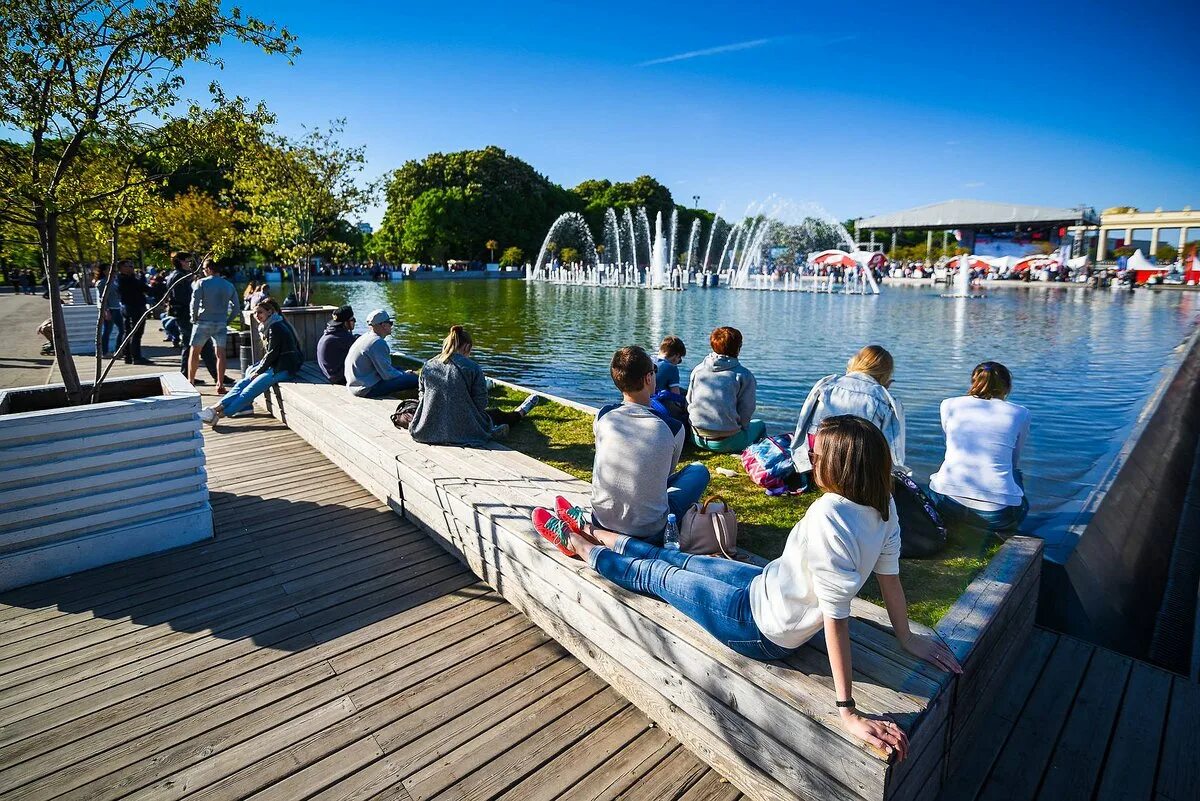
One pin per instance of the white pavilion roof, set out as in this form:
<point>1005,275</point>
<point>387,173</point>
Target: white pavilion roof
<point>956,213</point>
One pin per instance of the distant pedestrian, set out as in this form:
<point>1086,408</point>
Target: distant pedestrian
<point>214,301</point>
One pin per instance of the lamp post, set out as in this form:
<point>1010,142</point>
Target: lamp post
<point>695,201</point>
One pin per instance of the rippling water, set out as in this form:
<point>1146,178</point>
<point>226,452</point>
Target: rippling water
<point>1084,363</point>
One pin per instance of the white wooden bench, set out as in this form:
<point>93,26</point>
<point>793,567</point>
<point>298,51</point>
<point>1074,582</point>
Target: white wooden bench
<point>771,728</point>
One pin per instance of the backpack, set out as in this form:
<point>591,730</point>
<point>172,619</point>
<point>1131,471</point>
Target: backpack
<point>671,404</point>
<point>768,462</point>
<point>403,416</point>
<point>922,530</point>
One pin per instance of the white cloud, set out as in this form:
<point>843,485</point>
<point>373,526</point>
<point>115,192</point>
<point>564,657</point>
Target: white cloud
<point>974,184</point>
<point>710,51</point>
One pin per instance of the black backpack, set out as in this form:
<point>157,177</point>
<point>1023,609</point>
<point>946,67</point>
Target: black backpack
<point>922,530</point>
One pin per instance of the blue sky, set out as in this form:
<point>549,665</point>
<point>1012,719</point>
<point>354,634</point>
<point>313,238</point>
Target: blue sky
<point>861,108</point>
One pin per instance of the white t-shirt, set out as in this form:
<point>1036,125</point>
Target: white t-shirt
<point>826,560</point>
<point>983,444</point>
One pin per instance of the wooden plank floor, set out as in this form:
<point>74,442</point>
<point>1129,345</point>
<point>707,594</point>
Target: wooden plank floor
<point>318,647</point>
<point>1080,722</point>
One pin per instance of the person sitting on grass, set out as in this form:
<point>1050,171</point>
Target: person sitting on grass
<point>281,360</point>
<point>369,370</point>
<point>634,481</point>
<point>722,396</point>
<point>452,406</point>
<point>978,483</point>
<point>666,364</point>
<point>335,344</point>
<point>863,392</point>
<point>767,613</point>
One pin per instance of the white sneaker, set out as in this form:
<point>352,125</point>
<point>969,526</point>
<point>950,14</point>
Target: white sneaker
<point>207,414</point>
<point>527,405</point>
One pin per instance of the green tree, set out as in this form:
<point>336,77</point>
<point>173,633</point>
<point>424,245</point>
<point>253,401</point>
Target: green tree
<point>512,257</point>
<point>568,255</point>
<point>76,72</point>
<point>194,221</point>
<point>503,195</point>
<point>1166,254</point>
<point>295,193</point>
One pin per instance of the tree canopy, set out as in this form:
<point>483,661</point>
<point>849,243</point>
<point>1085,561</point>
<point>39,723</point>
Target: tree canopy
<point>452,204</point>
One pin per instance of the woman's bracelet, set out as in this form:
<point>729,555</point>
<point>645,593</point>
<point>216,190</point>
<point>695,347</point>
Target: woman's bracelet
<point>847,704</point>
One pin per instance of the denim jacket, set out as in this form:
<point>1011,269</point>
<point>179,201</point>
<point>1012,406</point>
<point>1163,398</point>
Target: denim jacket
<point>854,393</point>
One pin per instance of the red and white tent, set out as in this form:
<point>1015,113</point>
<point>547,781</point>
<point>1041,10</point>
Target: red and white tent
<point>973,262</point>
<point>830,258</point>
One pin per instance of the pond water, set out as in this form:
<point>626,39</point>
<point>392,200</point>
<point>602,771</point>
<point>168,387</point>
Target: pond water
<point>1083,362</point>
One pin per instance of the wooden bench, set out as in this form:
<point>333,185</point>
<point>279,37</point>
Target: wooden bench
<point>771,728</point>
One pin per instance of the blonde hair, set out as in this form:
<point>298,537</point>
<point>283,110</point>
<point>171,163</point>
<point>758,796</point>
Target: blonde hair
<point>456,340</point>
<point>990,380</point>
<point>875,361</point>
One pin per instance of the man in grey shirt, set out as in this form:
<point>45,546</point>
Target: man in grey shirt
<point>214,301</point>
<point>633,486</point>
<point>369,371</point>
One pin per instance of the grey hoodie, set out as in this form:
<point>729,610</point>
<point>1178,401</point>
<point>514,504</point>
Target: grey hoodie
<point>721,396</point>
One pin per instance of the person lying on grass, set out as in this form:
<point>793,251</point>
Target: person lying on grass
<point>768,612</point>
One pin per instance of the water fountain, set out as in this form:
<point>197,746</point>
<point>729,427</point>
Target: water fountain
<point>766,249</point>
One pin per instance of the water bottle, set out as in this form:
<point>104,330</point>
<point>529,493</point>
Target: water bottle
<point>671,535</point>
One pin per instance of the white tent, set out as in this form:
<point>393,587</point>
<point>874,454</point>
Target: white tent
<point>1139,262</point>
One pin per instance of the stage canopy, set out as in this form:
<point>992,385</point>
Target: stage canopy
<point>973,214</point>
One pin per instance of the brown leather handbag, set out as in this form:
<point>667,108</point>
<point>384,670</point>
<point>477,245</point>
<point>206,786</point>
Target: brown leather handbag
<point>709,529</point>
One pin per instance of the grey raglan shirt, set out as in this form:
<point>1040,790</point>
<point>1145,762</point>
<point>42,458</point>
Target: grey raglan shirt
<point>636,451</point>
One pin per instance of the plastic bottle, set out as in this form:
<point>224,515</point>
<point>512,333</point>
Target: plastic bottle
<point>671,535</point>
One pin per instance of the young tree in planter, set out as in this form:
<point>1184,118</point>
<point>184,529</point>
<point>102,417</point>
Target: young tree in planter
<point>77,71</point>
<point>491,245</point>
<point>295,192</point>
<point>512,257</point>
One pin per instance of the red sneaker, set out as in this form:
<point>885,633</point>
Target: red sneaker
<point>569,513</point>
<point>553,529</point>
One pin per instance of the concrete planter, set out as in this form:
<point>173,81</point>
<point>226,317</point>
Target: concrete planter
<point>85,486</point>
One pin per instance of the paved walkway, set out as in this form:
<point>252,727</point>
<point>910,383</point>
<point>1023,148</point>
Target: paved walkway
<point>318,647</point>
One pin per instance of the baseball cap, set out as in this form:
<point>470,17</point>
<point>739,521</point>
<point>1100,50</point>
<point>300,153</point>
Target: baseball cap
<point>378,316</point>
<point>343,315</point>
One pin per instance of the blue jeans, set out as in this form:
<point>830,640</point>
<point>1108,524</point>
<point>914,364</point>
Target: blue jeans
<point>389,385</point>
<point>1000,521</point>
<point>684,488</point>
<point>737,443</point>
<point>712,591</point>
<point>243,393</point>
<point>116,320</point>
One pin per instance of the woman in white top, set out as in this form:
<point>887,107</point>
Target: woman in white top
<point>978,483</point>
<point>768,612</point>
<point>862,392</point>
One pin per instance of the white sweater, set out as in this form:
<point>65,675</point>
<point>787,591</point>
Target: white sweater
<point>826,560</point>
<point>983,443</point>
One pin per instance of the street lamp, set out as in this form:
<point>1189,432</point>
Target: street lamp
<point>695,201</point>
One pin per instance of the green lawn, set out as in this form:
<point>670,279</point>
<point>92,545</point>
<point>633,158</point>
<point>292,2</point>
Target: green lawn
<point>562,436</point>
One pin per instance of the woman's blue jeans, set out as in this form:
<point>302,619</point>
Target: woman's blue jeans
<point>243,393</point>
<point>712,591</point>
<point>115,321</point>
<point>1001,521</point>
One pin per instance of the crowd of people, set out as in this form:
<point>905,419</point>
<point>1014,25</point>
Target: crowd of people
<point>848,440</point>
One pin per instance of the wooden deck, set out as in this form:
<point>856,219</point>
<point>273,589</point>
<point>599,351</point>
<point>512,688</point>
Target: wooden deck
<point>319,647</point>
<point>1077,721</point>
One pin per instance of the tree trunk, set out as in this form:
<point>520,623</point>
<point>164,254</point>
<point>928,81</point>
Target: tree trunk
<point>47,228</point>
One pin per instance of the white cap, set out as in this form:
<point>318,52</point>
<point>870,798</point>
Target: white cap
<point>378,317</point>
